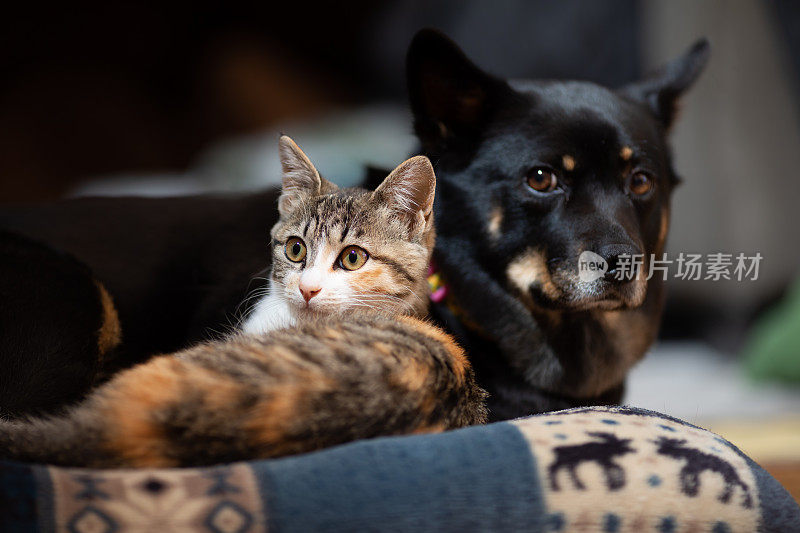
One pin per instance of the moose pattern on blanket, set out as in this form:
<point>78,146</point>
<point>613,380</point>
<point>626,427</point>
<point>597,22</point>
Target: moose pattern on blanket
<point>598,469</point>
<point>621,469</point>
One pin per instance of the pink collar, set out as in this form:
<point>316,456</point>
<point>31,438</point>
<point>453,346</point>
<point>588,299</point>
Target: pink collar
<point>437,285</point>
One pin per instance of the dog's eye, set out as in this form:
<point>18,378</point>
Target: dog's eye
<point>295,249</point>
<point>542,179</point>
<point>640,184</point>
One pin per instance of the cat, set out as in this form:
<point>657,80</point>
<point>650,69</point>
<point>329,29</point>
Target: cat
<point>342,361</point>
<point>338,274</point>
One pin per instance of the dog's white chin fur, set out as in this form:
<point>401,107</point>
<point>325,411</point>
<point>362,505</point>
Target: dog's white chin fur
<point>586,296</point>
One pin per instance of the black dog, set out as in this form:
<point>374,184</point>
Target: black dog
<point>530,175</point>
<point>57,326</point>
<point>602,453</point>
<point>698,462</point>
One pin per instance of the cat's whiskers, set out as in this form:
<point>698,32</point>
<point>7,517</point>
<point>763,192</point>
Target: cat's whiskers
<point>257,297</point>
<point>380,302</point>
<point>244,307</point>
<point>392,298</point>
<point>375,304</point>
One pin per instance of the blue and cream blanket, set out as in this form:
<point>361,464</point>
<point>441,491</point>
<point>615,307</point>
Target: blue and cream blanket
<point>592,469</point>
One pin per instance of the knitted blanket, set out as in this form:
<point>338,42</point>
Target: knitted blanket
<point>590,469</point>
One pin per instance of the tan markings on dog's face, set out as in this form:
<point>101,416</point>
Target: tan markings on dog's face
<point>495,221</point>
<point>568,162</point>
<point>663,229</point>
<point>528,269</point>
<point>626,153</point>
<point>639,285</point>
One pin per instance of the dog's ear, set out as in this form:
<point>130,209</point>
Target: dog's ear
<point>301,181</point>
<point>450,96</point>
<point>662,90</point>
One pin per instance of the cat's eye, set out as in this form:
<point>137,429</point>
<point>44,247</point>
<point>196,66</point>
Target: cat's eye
<point>542,179</point>
<point>295,249</point>
<point>353,258</point>
<point>640,183</point>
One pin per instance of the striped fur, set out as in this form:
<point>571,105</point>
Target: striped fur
<point>393,225</point>
<point>295,390</point>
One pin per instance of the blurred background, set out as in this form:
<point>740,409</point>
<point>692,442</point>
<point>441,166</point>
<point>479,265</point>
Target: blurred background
<point>126,98</point>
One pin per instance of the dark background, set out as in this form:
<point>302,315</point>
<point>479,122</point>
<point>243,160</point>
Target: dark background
<point>129,87</point>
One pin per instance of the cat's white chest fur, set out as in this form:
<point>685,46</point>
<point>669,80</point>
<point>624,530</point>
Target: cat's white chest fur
<point>270,313</point>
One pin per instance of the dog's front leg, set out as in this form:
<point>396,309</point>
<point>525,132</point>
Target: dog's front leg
<point>499,315</point>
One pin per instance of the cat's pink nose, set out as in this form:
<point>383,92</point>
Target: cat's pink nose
<point>309,291</point>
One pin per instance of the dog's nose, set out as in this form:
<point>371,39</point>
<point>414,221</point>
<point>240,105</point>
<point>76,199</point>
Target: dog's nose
<point>623,260</point>
<point>309,291</point>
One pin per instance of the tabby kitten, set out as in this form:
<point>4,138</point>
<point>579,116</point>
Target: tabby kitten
<point>355,364</point>
<point>339,250</point>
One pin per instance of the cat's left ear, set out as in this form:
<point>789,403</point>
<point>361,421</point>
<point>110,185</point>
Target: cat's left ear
<point>301,180</point>
<point>662,90</point>
<point>409,190</point>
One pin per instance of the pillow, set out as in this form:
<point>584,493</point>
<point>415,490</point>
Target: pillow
<point>589,469</point>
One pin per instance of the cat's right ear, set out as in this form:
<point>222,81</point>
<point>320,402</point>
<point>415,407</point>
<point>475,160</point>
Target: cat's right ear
<point>301,181</point>
<point>450,97</point>
<point>409,191</point>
